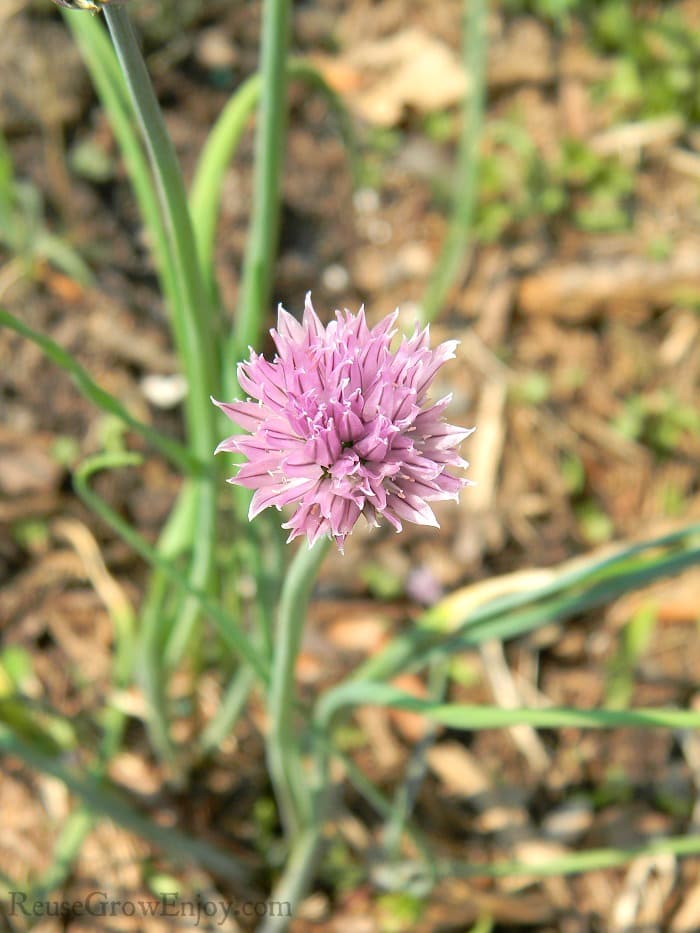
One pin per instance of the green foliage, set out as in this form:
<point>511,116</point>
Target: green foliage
<point>517,185</point>
<point>399,911</point>
<point>439,125</point>
<point>340,868</point>
<point>656,53</point>
<point>380,145</point>
<point>465,671</point>
<point>514,184</point>
<point>16,670</point>
<point>660,248</point>
<point>659,420</point>
<point>604,182</point>
<point>265,822</point>
<point>23,229</point>
<point>31,534</point>
<point>381,582</point>
<point>656,61</point>
<point>92,162</point>
<point>531,388</point>
<point>65,450</point>
<point>555,11</point>
<point>673,501</point>
<point>615,788</point>
<point>595,525</point>
<point>668,800</point>
<point>573,473</point>
<point>158,882</point>
<point>633,645</point>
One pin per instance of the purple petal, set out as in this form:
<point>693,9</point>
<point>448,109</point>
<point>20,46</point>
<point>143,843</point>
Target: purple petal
<point>248,415</point>
<point>340,427</point>
<point>279,496</point>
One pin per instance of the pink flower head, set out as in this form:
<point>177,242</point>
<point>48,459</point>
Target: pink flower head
<point>339,426</point>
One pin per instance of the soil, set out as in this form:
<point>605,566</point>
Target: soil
<point>579,363</point>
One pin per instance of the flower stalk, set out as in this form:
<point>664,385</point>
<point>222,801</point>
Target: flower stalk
<point>284,754</point>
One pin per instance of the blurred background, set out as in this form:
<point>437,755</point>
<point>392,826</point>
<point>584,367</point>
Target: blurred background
<point>578,309</point>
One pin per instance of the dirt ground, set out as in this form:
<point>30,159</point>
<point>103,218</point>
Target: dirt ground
<point>579,362</point>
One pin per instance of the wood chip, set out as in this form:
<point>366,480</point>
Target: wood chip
<point>579,291</point>
<point>687,917</point>
<point>523,55</point>
<point>409,68</point>
<point>27,469</point>
<point>634,136</point>
<point>458,770</point>
<point>648,883</point>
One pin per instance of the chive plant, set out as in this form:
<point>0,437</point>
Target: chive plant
<point>338,426</point>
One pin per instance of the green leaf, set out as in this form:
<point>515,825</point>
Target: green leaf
<point>470,718</point>
<point>175,452</point>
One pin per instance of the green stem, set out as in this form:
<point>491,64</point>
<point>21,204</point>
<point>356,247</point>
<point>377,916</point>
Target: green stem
<point>457,239</point>
<point>417,767</point>
<point>232,704</point>
<point>573,863</point>
<point>261,248</point>
<point>295,880</point>
<point>264,552</point>
<point>151,670</point>
<point>197,351</point>
<point>66,850</point>
<point>471,718</point>
<point>376,799</point>
<point>114,93</point>
<point>104,70</point>
<point>223,140</point>
<point>114,719</point>
<point>283,748</point>
<point>234,636</point>
<point>173,199</point>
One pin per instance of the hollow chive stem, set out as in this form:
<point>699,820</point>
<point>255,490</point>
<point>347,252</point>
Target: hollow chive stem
<point>451,258</point>
<point>199,352</point>
<point>261,247</point>
<point>283,745</point>
<point>194,326</point>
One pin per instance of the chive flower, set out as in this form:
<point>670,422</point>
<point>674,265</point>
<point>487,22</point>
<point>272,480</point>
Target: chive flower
<point>340,426</point>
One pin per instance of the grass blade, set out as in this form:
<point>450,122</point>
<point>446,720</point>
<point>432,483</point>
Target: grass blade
<point>575,863</point>
<point>456,242</point>
<point>221,145</point>
<point>457,623</point>
<point>175,452</point>
<point>261,246</point>
<point>229,629</point>
<point>458,716</point>
<point>101,62</point>
<point>106,801</point>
